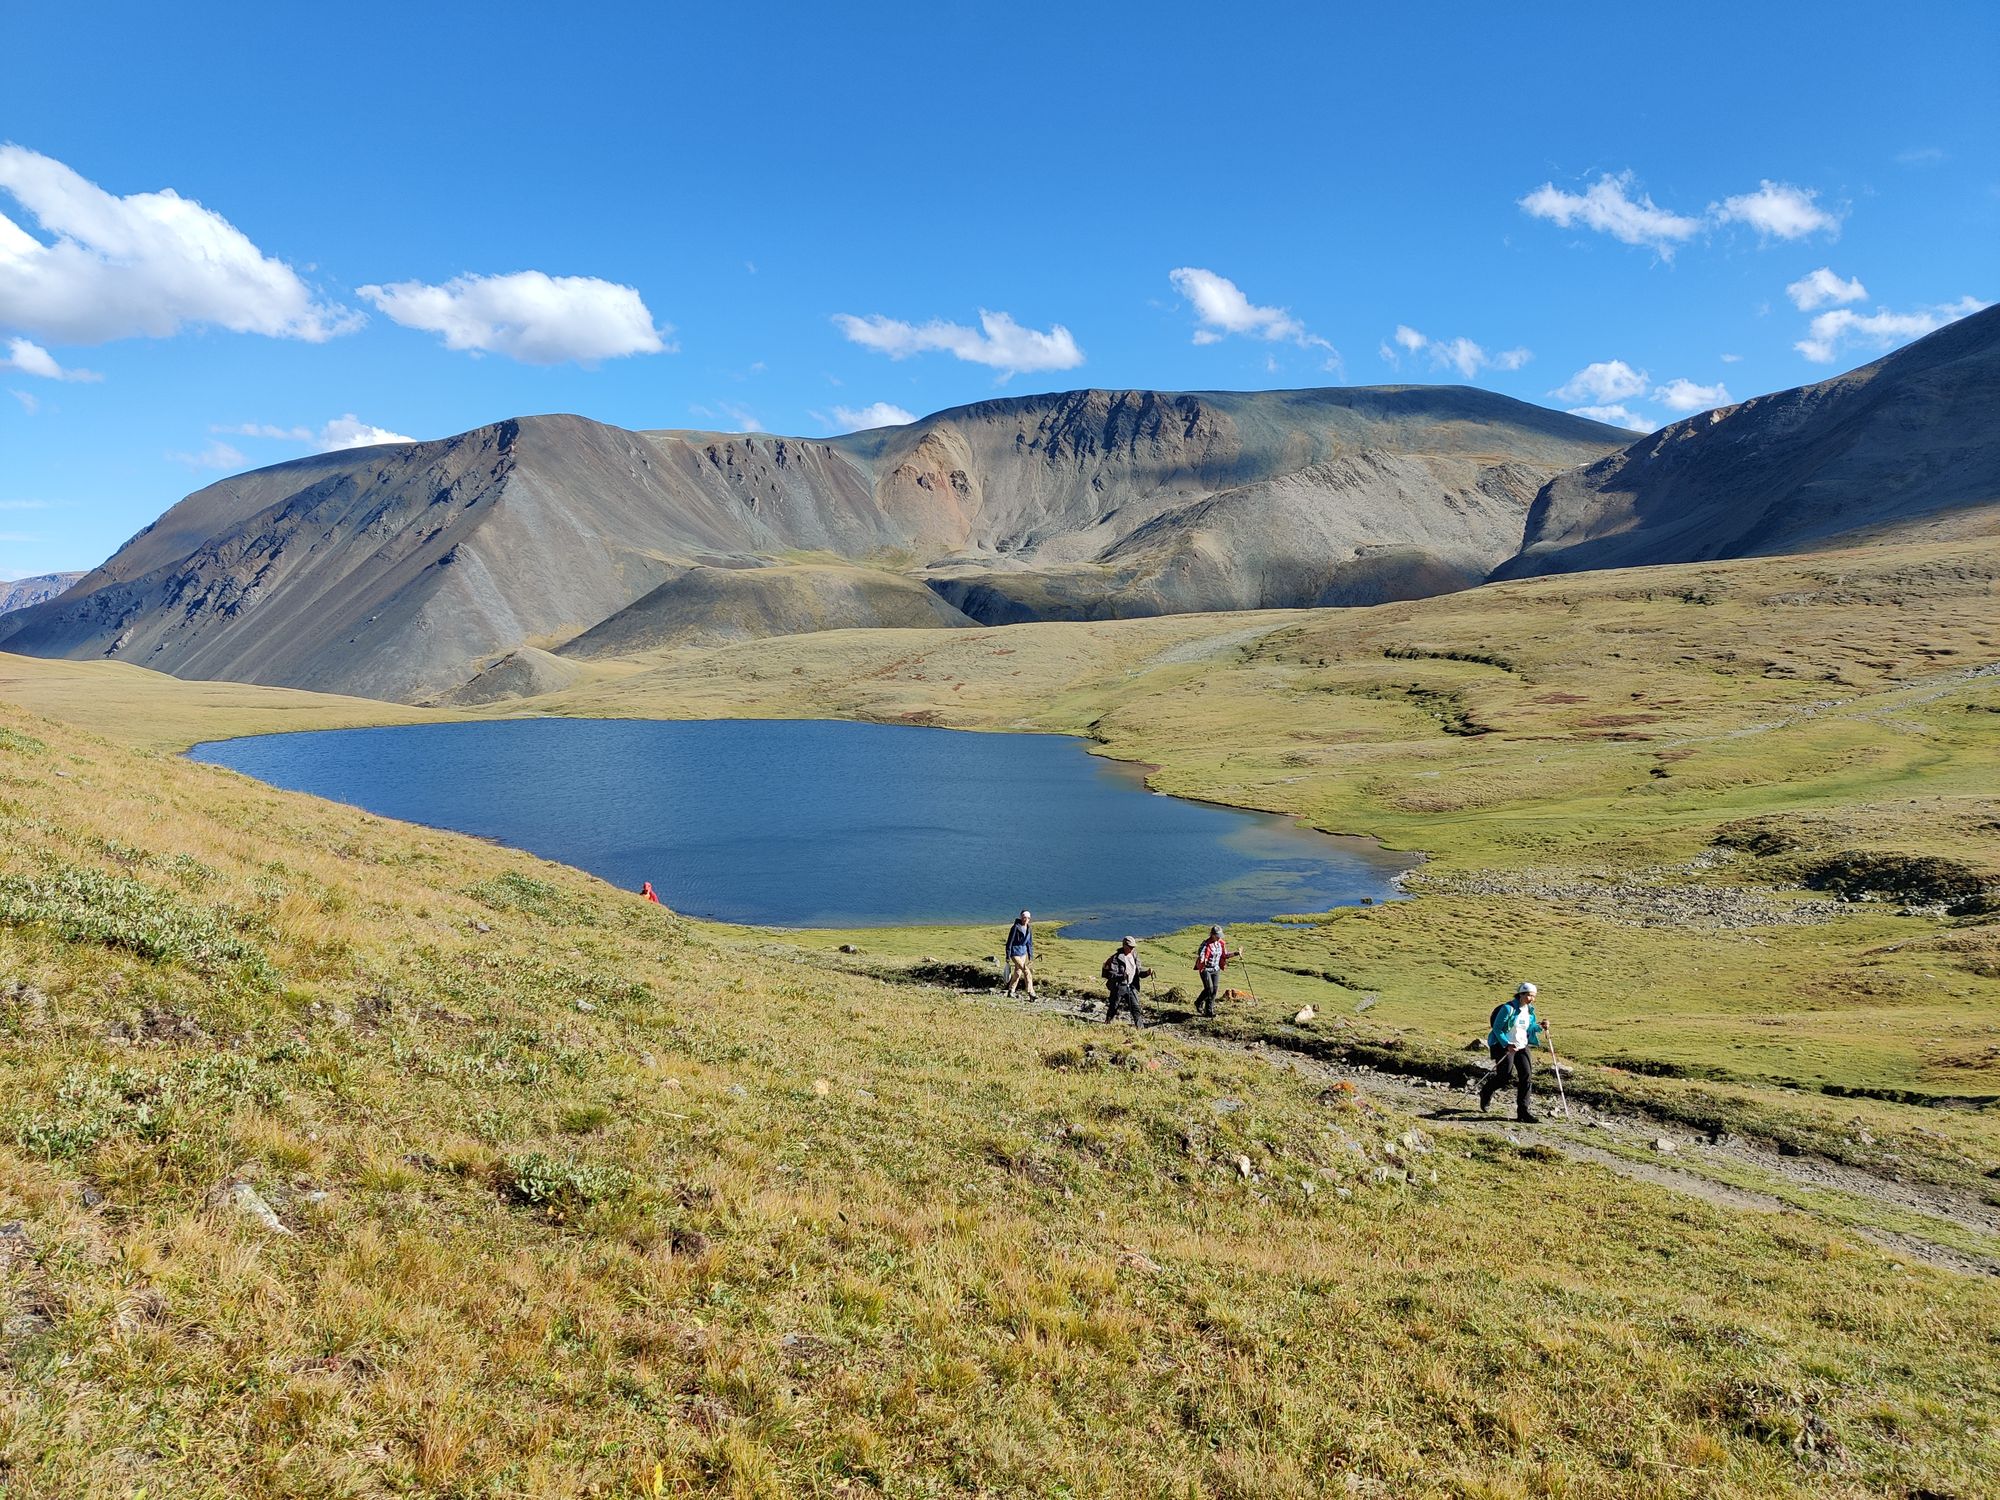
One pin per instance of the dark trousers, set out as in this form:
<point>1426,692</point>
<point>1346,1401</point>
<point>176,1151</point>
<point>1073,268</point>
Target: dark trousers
<point>1211,984</point>
<point>1521,1066</point>
<point>1123,994</point>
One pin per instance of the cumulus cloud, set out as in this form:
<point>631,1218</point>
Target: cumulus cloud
<point>217,455</point>
<point>1685,396</point>
<point>1777,210</point>
<point>1831,332</point>
<point>1460,354</point>
<point>1220,309</point>
<point>342,432</point>
<point>1821,287</point>
<point>876,414</point>
<point>1616,414</point>
<point>32,359</point>
<point>1602,383</point>
<point>530,316</point>
<point>999,341</point>
<point>1609,207</point>
<point>145,265</point>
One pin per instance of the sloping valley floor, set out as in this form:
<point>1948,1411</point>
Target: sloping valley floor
<point>340,1157</point>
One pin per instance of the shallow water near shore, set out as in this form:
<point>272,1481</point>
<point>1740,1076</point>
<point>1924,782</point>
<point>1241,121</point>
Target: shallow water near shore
<point>826,823</point>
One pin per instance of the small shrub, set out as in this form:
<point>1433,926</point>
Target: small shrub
<point>514,892</point>
<point>559,1186</point>
<point>117,911</point>
<point>26,744</point>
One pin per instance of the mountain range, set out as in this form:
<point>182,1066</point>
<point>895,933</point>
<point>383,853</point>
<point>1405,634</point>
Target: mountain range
<point>19,593</point>
<point>485,564</point>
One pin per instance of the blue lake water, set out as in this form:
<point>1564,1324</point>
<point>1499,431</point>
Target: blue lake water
<point>818,823</point>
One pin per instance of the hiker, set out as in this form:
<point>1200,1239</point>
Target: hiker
<point>1122,973</point>
<point>1021,954</point>
<point>1515,1028</point>
<point>1209,963</point>
<point>646,890</point>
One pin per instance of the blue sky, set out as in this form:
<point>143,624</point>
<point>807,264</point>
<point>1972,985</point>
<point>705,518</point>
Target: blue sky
<point>415,219</point>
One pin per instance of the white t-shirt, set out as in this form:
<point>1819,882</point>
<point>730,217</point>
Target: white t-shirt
<point>1518,1037</point>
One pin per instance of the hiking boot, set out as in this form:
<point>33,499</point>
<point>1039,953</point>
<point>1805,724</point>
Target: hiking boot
<point>1528,1119</point>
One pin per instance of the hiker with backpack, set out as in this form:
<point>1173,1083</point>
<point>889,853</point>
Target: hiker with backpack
<point>1020,953</point>
<point>1209,963</point>
<point>1122,973</point>
<point>1514,1028</point>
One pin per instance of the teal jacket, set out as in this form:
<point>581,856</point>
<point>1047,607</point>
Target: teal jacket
<point>1503,1026</point>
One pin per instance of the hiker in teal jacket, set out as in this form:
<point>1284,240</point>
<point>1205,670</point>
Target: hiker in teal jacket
<point>1515,1029</point>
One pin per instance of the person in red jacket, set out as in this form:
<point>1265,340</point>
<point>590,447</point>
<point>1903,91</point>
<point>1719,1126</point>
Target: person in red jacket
<point>1209,963</point>
<point>646,890</point>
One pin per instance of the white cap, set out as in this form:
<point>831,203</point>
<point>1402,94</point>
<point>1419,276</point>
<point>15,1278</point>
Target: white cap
<point>1130,943</point>
<point>1525,988</point>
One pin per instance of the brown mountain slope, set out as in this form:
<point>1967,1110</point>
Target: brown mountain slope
<point>395,572</point>
<point>1902,443</point>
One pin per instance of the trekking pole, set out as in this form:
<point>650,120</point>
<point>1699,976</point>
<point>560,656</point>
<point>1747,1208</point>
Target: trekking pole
<point>1556,1067</point>
<point>1248,987</point>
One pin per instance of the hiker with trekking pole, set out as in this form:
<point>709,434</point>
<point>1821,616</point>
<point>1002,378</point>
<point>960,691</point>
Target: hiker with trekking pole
<point>1209,963</point>
<point>1514,1029</point>
<point>1122,973</point>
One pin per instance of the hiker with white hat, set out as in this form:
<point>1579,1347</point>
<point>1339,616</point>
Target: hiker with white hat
<point>1122,973</point>
<point>1021,955</point>
<point>1514,1030</point>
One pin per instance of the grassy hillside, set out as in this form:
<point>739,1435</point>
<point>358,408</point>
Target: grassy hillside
<point>568,1196</point>
<point>1625,783</point>
<point>570,1192</point>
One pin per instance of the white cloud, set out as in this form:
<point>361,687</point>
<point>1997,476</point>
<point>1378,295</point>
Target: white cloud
<point>1602,383</point>
<point>32,359</point>
<point>217,455</point>
<point>999,341</point>
<point>1831,332</point>
<point>1777,210</point>
<point>1460,354</point>
<point>1732,359</point>
<point>1609,207</point>
<point>1685,396</point>
<point>29,403</point>
<point>1920,156</point>
<point>342,432</point>
<point>530,316</point>
<point>876,414</point>
<point>145,265</point>
<point>1220,308</point>
<point>1818,288</point>
<point>348,432</point>
<point>1616,415</point>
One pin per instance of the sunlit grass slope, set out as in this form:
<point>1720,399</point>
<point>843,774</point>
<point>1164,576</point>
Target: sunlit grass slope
<point>568,1196</point>
<point>1621,780</point>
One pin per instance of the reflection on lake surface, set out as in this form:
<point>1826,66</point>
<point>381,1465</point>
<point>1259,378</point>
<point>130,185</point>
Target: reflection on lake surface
<point>819,823</point>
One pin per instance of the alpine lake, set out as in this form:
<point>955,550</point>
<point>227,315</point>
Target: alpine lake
<point>823,823</point>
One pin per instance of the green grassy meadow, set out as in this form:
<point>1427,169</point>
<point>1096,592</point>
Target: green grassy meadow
<point>569,1195</point>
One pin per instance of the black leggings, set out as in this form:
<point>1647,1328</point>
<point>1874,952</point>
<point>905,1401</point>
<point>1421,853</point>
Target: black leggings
<point>1521,1065</point>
